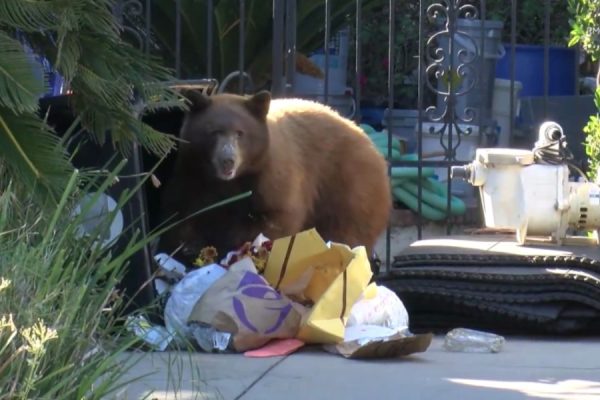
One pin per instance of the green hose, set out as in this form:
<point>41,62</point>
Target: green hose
<point>404,181</point>
<point>396,155</point>
<point>433,199</point>
<point>384,146</point>
<point>368,129</point>
<point>410,157</point>
<point>382,138</point>
<point>411,202</point>
<point>411,172</point>
<point>436,186</point>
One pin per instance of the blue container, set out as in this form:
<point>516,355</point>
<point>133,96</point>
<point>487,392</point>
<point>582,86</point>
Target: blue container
<point>372,116</point>
<point>529,69</point>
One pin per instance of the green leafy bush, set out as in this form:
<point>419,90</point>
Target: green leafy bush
<point>60,334</point>
<point>61,331</point>
<point>585,31</point>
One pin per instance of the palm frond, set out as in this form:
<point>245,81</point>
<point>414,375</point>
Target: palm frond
<point>98,17</point>
<point>21,79</point>
<point>32,151</point>
<point>68,54</point>
<point>160,95</point>
<point>106,75</point>
<point>150,138</point>
<point>108,79</point>
<point>30,15</point>
<point>106,91</point>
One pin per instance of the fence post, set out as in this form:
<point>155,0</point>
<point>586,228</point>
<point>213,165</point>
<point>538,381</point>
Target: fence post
<point>277,56</point>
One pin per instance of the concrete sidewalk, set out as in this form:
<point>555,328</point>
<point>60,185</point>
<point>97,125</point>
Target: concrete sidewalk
<point>525,369</point>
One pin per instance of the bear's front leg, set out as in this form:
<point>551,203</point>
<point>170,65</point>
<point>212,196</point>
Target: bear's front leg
<point>282,222</point>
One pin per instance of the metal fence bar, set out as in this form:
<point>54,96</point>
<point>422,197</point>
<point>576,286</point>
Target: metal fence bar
<point>326,48</point>
<point>148,27</point>
<point>178,39</point>
<point>482,61</point>
<point>546,55</point>
<point>209,38</point>
<point>358,61</point>
<point>290,44</point>
<point>576,74</point>
<point>277,56</point>
<point>421,85</point>
<point>451,111</point>
<point>391,64</point>
<point>513,40</point>
<point>242,45</point>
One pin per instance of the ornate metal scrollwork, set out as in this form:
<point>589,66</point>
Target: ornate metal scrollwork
<point>451,70</point>
<point>131,16</point>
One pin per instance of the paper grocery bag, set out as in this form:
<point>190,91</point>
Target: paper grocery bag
<point>243,304</point>
<point>332,278</point>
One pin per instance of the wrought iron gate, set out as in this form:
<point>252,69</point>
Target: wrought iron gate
<point>453,62</point>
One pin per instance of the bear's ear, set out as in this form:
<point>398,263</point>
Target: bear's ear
<point>198,100</point>
<point>259,104</point>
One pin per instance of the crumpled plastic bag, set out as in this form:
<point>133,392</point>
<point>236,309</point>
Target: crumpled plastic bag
<point>155,336</point>
<point>184,296</point>
<point>170,271</point>
<point>209,339</point>
<point>379,306</point>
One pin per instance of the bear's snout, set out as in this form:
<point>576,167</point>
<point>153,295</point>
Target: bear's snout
<point>227,164</point>
<point>227,158</point>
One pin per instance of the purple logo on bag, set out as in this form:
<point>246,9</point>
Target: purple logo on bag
<point>254,287</point>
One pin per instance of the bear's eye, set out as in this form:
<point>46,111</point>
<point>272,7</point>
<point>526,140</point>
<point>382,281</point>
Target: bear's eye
<point>239,133</point>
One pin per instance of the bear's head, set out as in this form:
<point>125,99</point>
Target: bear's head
<point>226,135</point>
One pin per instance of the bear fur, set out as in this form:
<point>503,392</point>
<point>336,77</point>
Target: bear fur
<point>307,167</point>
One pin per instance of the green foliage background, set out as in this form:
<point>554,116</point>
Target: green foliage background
<point>585,31</point>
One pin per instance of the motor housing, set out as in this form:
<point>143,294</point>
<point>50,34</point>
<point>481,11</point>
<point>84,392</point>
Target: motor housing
<point>530,190</point>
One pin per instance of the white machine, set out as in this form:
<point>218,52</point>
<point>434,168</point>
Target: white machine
<point>530,191</point>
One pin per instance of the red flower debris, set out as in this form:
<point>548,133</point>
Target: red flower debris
<point>259,255</point>
<point>207,256</point>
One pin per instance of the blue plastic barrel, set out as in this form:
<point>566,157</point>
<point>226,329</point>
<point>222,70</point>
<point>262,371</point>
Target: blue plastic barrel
<point>529,69</point>
<point>372,116</point>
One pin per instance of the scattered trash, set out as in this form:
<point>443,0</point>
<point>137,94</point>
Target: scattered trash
<point>209,339</point>
<point>258,251</point>
<point>155,181</point>
<point>329,280</point>
<point>472,341</point>
<point>269,299</point>
<point>369,341</point>
<point>243,303</point>
<point>170,272</point>
<point>207,255</point>
<point>276,348</point>
<point>155,336</point>
<point>379,306</point>
<point>184,296</point>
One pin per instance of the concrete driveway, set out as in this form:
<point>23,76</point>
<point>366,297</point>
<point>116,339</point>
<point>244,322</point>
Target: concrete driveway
<point>527,368</point>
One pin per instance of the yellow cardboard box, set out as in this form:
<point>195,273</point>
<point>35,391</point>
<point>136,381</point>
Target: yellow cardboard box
<point>332,278</point>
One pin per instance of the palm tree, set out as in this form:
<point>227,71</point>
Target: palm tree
<point>106,75</point>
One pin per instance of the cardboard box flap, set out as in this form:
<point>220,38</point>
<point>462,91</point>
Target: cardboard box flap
<point>327,318</point>
<point>303,267</point>
<point>370,342</point>
<point>282,266</point>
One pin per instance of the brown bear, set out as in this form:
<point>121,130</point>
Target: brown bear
<point>307,167</point>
